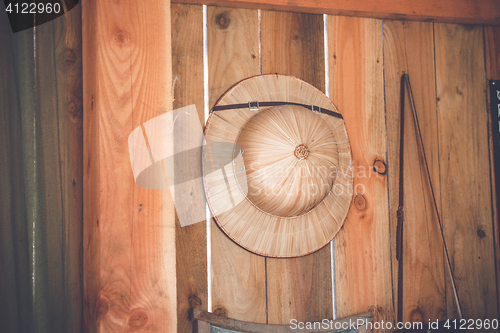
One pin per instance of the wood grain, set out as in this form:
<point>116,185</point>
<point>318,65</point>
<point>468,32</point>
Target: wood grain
<point>298,288</point>
<point>362,248</point>
<point>492,52</point>
<point>91,174</point>
<point>127,79</point>
<point>293,43</point>
<point>58,67</point>
<point>238,276</point>
<point>233,48</point>
<point>452,11</point>
<point>464,160</point>
<point>409,47</point>
<point>187,85</point>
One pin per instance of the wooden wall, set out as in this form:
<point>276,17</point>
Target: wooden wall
<point>60,167</point>
<point>366,58</point>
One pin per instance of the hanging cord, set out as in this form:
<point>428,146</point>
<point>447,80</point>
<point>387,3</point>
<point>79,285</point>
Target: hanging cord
<point>405,80</point>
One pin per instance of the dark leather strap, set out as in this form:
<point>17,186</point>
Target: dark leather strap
<point>400,211</point>
<point>254,105</point>
<point>405,85</point>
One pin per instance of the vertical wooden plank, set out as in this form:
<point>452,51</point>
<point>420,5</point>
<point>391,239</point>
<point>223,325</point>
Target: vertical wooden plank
<point>58,71</point>
<point>69,55</point>
<point>191,241</point>
<point>409,47</point>
<point>238,276</point>
<point>492,51</point>
<point>464,168</point>
<point>297,288</point>
<point>362,247</point>
<point>293,43</point>
<point>233,48</point>
<point>492,48</point>
<point>93,306</point>
<point>127,61</point>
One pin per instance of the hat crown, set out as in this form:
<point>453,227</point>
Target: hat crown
<point>290,157</point>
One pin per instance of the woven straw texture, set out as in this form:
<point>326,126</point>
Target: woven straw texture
<point>297,168</point>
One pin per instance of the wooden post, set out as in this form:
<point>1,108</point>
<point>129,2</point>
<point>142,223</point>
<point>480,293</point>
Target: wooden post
<point>129,232</point>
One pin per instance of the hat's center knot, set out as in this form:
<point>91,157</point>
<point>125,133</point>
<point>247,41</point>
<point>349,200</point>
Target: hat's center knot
<point>301,152</point>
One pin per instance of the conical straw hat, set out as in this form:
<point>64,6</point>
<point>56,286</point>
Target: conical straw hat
<point>297,163</point>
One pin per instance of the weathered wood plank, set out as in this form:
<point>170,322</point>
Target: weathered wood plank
<point>492,52</point>
<point>293,44</point>
<point>492,39</point>
<point>129,231</point>
<point>409,47</point>
<point>451,11</point>
<point>464,168</point>
<point>297,288</point>
<point>233,48</point>
<point>362,247</point>
<point>58,71</point>
<point>191,241</point>
<point>91,174</point>
<point>238,276</point>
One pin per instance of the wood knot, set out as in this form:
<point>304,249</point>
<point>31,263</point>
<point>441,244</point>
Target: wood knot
<point>481,233</point>
<point>416,316</point>
<point>360,202</point>
<point>220,311</point>
<point>75,110</point>
<point>71,56</point>
<point>102,306</point>
<point>380,167</point>
<point>194,301</point>
<point>122,38</point>
<point>222,20</point>
<point>138,318</point>
<point>301,152</point>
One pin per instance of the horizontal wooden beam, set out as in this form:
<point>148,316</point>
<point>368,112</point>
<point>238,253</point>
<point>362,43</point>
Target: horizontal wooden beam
<point>486,12</point>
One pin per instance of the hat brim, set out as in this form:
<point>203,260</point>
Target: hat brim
<point>246,224</point>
